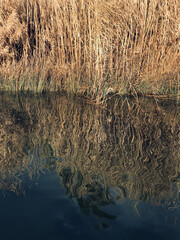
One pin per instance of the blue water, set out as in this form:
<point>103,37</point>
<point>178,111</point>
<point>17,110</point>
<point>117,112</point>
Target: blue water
<point>44,211</point>
<point>69,170</point>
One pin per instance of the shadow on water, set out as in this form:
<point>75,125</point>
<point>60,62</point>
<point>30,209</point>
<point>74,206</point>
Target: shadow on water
<point>129,149</point>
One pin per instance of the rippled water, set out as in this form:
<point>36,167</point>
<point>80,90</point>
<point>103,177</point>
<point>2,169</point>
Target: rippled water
<point>73,170</point>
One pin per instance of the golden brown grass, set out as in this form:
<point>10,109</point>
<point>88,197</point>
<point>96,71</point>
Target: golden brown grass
<point>90,46</point>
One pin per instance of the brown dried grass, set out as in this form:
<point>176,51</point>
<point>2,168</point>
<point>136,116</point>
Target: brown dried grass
<point>90,47</point>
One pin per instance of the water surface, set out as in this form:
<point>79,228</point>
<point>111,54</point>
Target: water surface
<point>71,170</point>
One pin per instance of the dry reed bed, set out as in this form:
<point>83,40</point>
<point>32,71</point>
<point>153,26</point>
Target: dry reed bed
<point>90,46</point>
<point>131,151</point>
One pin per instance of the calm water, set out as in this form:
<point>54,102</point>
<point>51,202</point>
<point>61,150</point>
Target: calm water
<point>71,170</point>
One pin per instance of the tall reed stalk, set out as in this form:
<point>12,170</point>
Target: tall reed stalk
<point>90,46</point>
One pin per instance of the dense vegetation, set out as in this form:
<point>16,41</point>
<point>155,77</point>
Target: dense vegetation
<point>90,47</point>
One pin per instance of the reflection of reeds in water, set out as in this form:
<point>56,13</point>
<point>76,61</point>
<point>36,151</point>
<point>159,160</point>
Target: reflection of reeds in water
<point>130,150</point>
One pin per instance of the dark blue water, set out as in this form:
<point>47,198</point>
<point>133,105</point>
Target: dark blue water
<point>61,177</point>
<point>45,212</point>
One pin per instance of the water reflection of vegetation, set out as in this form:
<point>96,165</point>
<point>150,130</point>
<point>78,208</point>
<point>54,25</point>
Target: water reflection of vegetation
<point>130,150</point>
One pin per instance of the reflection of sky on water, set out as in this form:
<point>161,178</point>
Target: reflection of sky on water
<point>45,212</point>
